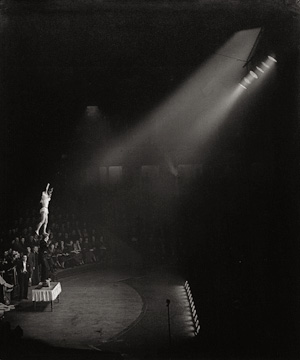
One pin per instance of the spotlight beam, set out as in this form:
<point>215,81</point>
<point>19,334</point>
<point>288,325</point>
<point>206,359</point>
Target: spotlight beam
<point>197,102</point>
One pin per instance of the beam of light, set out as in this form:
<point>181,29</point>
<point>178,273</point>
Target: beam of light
<point>181,291</point>
<point>191,328</point>
<point>208,123</point>
<point>182,294</point>
<point>198,104</point>
<point>188,321</point>
<point>191,334</point>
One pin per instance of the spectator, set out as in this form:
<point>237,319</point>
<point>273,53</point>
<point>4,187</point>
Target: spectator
<point>57,254</point>
<point>4,283</point>
<point>31,241</point>
<point>51,238</point>
<point>52,251</point>
<point>95,248</point>
<point>5,289</point>
<point>61,254</point>
<point>102,249</point>
<point>85,233</point>
<point>16,245</point>
<point>36,241</point>
<point>9,263</point>
<point>69,245</point>
<point>30,231</point>
<point>74,235</point>
<point>31,261</point>
<point>23,269</point>
<point>77,251</point>
<point>88,254</point>
<point>73,259</point>
<point>23,246</point>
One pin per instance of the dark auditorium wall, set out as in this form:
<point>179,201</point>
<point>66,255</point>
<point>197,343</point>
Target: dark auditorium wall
<point>243,231</point>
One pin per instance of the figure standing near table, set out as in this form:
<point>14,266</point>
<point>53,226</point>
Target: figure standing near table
<point>36,269</point>
<point>43,260</point>
<point>45,199</point>
<point>31,261</point>
<point>24,270</point>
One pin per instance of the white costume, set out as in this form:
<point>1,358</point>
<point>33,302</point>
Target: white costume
<point>45,199</point>
<point>45,202</point>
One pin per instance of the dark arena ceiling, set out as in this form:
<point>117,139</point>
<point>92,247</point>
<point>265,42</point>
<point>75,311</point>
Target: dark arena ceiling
<point>123,56</point>
<point>58,57</point>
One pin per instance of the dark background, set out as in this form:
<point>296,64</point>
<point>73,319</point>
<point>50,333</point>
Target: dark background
<point>238,222</point>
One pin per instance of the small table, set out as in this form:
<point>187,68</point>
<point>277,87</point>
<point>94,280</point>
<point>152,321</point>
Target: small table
<point>46,293</point>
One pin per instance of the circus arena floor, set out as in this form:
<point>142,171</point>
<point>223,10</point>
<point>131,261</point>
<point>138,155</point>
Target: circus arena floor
<point>108,313</point>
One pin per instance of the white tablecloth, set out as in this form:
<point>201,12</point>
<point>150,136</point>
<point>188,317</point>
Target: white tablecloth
<point>47,293</point>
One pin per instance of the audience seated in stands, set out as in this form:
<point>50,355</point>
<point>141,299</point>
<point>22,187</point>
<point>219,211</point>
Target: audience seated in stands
<point>88,252</point>
<point>5,289</point>
<point>72,242</point>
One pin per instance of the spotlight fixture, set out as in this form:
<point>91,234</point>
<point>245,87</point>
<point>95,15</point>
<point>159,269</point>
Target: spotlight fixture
<point>271,58</point>
<point>265,65</point>
<point>260,69</point>
<point>252,73</point>
<point>196,322</point>
<point>243,86</point>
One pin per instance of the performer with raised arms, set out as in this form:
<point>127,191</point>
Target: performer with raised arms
<point>46,197</point>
